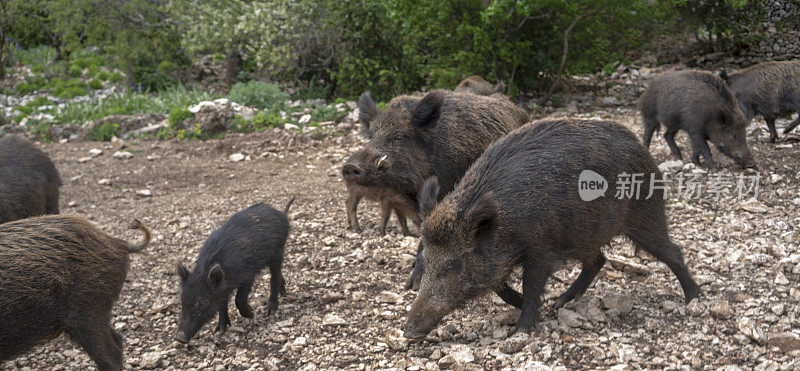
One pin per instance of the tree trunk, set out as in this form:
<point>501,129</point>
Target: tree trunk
<point>233,67</point>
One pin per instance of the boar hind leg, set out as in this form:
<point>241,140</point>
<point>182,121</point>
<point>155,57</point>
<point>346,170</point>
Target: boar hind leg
<point>276,286</point>
<point>650,126</point>
<point>700,148</point>
<point>655,241</point>
<point>509,295</point>
<point>589,271</point>
<point>669,137</point>
<point>791,126</point>
<point>386,213</point>
<point>401,218</point>
<point>534,277</point>
<point>773,134</point>
<point>98,340</point>
<point>419,268</point>
<point>241,301</point>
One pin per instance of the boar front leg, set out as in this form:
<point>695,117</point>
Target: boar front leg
<point>534,277</point>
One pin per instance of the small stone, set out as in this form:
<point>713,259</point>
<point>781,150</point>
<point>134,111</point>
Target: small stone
<point>333,320</point>
<point>151,360</point>
<point>696,308</point>
<point>507,318</point>
<point>236,157</point>
<point>447,362</point>
<point>104,181</point>
<point>786,341</point>
<point>72,203</point>
<point>305,119</point>
<point>720,308</point>
<point>122,155</point>
<point>620,302</point>
<point>569,318</point>
<point>515,343</point>
<point>144,193</point>
<point>389,297</point>
<point>778,308</point>
<point>780,279</point>
<point>94,152</point>
<point>84,159</point>
<point>749,328</point>
<point>290,126</point>
<point>499,333</point>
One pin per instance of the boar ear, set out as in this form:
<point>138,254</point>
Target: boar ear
<point>499,88</point>
<point>183,272</point>
<point>215,275</point>
<point>482,217</point>
<point>427,111</point>
<point>367,110</point>
<point>428,195</point>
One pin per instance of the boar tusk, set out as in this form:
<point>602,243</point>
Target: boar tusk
<point>380,160</point>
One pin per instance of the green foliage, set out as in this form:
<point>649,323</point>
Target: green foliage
<point>258,94</point>
<point>325,113</point>
<point>103,76</point>
<point>722,24</point>
<point>132,103</point>
<point>68,89</point>
<point>261,121</point>
<point>103,132</point>
<point>115,77</point>
<point>96,84</point>
<point>38,56</point>
<point>179,114</point>
<point>75,70</point>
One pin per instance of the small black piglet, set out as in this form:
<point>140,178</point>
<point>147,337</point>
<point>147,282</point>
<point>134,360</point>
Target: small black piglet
<point>230,259</point>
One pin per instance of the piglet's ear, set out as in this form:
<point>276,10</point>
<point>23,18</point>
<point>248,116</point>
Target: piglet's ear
<point>367,110</point>
<point>182,272</point>
<point>428,195</point>
<point>426,113</point>
<point>482,217</point>
<point>215,275</point>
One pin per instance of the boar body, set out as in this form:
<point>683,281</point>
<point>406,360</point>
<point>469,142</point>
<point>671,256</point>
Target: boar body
<point>701,104</point>
<point>230,259</point>
<point>519,205</point>
<point>770,89</point>
<point>29,181</point>
<point>61,274</point>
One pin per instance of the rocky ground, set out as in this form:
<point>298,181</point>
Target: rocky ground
<point>346,305</point>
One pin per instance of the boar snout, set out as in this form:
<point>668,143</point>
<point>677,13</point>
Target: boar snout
<point>421,320</point>
<point>352,173</point>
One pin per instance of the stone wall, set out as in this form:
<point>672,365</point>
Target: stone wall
<point>780,33</point>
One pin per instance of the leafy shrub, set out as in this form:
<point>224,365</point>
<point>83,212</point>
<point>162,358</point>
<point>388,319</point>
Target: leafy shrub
<point>25,88</point>
<point>75,70</point>
<point>179,114</point>
<point>103,76</point>
<point>93,70</point>
<point>103,132</point>
<point>115,77</point>
<point>261,121</point>
<point>258,94</point>
<point>81,62</point>
<point>326,113</point>
<point>96,84</point>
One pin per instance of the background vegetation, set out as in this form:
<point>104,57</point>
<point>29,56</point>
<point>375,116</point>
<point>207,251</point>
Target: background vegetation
<point>340,48</point>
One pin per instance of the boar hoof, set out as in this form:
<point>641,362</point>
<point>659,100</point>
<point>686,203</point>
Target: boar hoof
<point>246,311</point>
<point>272,308</point>
<point>518,329</point>
<point>222,327</point>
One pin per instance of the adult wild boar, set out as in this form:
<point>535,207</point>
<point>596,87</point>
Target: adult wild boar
<point>477,85</point>
<point>770,89</point>
<point>439,134</point>
<point>58,274</point>
<point>701,104</point>
<point>519,205</point>
<point>29,181</point>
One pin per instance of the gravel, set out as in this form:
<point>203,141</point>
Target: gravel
<point>346,308</point>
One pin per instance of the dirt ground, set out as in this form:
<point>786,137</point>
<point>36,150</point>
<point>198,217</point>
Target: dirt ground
<point>346,305</point>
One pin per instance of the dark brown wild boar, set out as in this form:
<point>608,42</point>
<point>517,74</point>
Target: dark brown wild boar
<point>701,104</point>
<point>60,273</point>
<point>29,181</point>
<point>439,134</point>
<point>770,89</point>
<point>519,205</point>
<point>389,201</point>
<point>477,85</point>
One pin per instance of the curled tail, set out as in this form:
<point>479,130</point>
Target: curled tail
<point>286,209</point>
<point>136,224</point>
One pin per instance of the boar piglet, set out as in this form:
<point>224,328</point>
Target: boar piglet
<point>519,205</point>
<point>59,274</point>
<point>770,89</point>
<point>230,259</point>
<point>403,205</point>
<point>701,104</point>
<point>29,181</point>
<point>477,85</point>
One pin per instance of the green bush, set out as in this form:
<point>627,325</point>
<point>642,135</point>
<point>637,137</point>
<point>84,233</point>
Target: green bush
<point>75,70</point>
<point>96,84</point>
<point>261,121</point>
<point>93,70</point>
<point>177,115</point>
<point>25,88</point>
<point>103,132</point>
<point>258,94</point>
<point>115,77</point>
<point>103,76</point>
<point>326,113</point>
<point>81,62</point>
